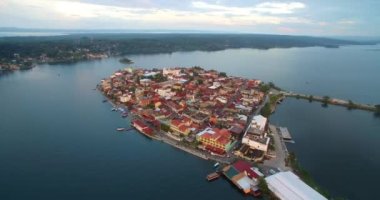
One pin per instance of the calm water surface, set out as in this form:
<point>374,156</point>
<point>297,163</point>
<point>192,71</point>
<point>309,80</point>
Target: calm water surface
<point>58,141</point>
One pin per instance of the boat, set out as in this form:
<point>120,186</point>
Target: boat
<point>113,109</point>
<point>124,115</point>
<point>105,100</point>
<point>120,129</point>
<point>216,164</point>
<point>212,176</point>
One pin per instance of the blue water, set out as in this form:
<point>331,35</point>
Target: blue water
<point>58,140</point>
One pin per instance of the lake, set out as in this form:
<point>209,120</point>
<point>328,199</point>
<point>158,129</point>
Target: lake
<point>58,140</point>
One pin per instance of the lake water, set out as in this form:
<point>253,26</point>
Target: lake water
<point>58,141</point>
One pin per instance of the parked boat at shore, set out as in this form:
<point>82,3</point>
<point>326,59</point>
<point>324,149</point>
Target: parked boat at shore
<point>212,176</point>
<point>120,129</point>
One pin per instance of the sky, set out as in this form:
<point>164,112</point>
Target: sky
<point>299,17</point>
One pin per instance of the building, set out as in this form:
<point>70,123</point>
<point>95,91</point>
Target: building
<point>180,126</point>
<point>214,139</point>
<point>173,72</point>
<point>259,122</point>
<point>255,136</point>
<point>125,98</point>
<point>288,186</point>
<point>256,143</point>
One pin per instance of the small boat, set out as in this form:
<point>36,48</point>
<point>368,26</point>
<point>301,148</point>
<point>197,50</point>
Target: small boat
<point>105,100</point>
<point>120,129</point>
<point>212,176</point>
<point>216,164</point>
<point>124,115</point>
<point>113,109</point>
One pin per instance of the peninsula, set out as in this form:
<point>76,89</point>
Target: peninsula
<point>210,115</point>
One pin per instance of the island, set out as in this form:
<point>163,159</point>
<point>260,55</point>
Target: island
<point>215,117</point>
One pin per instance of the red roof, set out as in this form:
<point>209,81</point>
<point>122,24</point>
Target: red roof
<point>215,150</point>
<point>242,166</point>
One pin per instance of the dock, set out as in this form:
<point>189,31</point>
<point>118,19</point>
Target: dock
<point>285,134</point>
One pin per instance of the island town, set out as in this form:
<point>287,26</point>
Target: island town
<point>215,117</point>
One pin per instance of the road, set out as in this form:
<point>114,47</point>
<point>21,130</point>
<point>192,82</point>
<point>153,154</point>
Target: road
<point>281,152</point>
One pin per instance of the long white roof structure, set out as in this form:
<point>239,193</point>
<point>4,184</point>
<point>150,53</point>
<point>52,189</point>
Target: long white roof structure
<point>288,186</point>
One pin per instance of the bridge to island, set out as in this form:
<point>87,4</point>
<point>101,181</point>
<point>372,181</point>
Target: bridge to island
<point>333,101</point>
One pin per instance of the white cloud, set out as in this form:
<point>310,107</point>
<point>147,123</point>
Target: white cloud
<point>347,22</point>
<point>201,15</point>
<point>266,7</point>
<point>278,8</point>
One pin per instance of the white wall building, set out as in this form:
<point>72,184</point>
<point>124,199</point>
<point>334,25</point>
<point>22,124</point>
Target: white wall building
<point>174,72</point>
<point>256,143</point>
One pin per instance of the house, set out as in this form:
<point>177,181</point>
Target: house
<point>214,139</point>
<point>256,143</point>
<point>180,126</point>
<point>259,122</point>
<point>125,98</point>
<point>171,72</point>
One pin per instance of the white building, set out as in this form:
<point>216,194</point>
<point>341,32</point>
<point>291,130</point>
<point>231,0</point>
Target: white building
<point>288,186</point>
<point>125,98</point>
<point>166,93</point>
<point>256,143</point>
<point>173,72</point>
<point>259,122</point>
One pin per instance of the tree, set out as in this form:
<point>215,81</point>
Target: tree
<point>351,105</point>
<point>263,186</point>
<point>325,101</point>
<point>223,74</point>
<point>266,110</point>
<point>311,98</point>
<point>165,127</point>
<point>264,88</point>
<point>377,111</point>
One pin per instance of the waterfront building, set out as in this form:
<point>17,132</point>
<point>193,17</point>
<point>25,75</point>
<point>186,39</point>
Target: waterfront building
<point>288,186</point>
<point>180,126</point>
<point>215,139</point>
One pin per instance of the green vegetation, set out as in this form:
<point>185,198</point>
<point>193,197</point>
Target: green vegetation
<point>311,98</point>
<point>165,128</point>
<point>264,88</point>
<point>351,105</point>
<point>303,174</point>
<point>223,74</point>
<point>272,85</point>
<point>266,110</point>
<point>150,106</point>
<point>78,47</point>
<point>377,111</point>
<point>325,101</point>
<point>263,186</point>
<point>159,78</point>
<point>269,107</point>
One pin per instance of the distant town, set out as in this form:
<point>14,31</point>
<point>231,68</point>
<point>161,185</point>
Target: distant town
<point>215,117</point>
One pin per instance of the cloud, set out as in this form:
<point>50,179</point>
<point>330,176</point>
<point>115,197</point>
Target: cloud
<point>347,22</point>
<point>200,13</point>
<point>266,7</point>
<point>279,8</point>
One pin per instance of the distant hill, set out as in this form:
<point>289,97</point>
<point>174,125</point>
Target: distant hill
<point>148,43</point>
